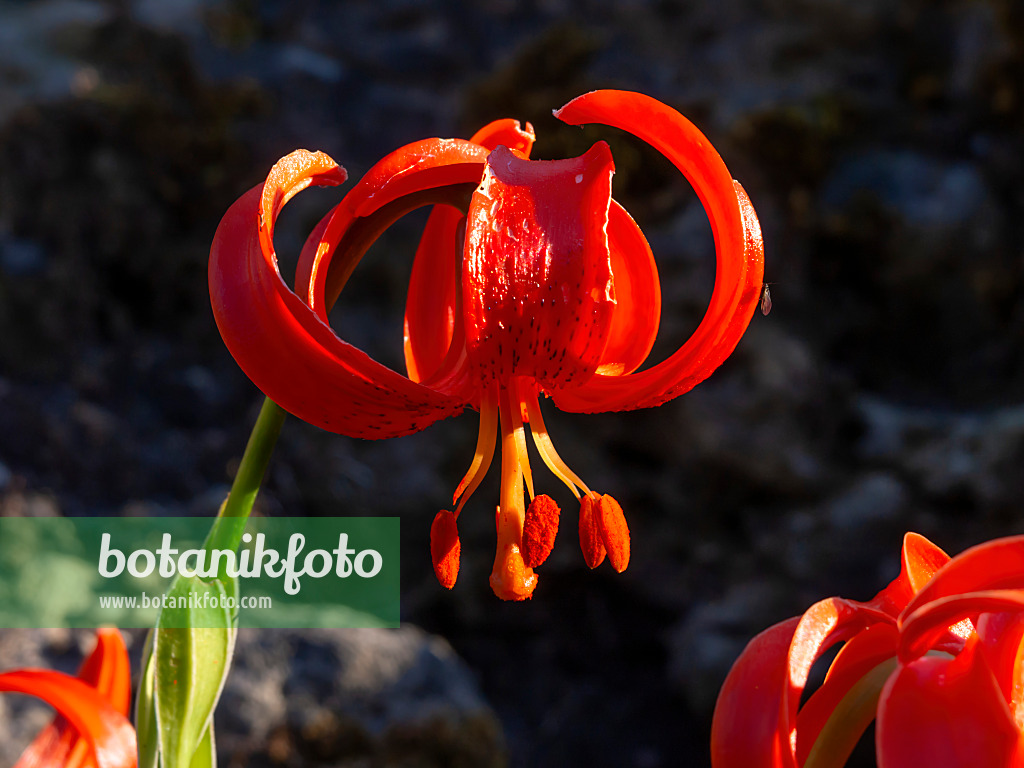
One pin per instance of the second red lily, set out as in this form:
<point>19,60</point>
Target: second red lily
<point>91,728</point>
<point>529,279</point>
<point>935,659</point>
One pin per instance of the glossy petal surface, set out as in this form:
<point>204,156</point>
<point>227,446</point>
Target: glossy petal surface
<point>745,732</point>
<point>432,307</point>
<point>637,310</point>
<point>738,246</point>
<point>286,349</point>
<point>537,277</point>
<point>945,713</point>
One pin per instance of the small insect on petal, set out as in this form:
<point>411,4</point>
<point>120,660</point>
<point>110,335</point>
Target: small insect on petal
<point>766,299</point>
<point>539,530</point>
<point>445,548</point>
<point>614,532</point>
<point>590,535</point>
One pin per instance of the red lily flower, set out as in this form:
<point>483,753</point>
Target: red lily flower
<point>935,658</point>
<point>529,279</point>
<point>91,728</point>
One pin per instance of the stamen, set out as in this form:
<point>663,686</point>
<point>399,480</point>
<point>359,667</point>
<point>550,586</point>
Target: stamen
<point>614,532</point>
<point>547,451</point>
<point>445,548</point>
<point>591,541</point>
<point>485,441</point>
<point>539,530</point>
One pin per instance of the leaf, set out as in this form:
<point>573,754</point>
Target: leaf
<point>205,755</point>
<point>193,644</point>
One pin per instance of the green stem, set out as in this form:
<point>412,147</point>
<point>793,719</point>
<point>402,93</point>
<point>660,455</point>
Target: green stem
<point>234,512</point>
<point>849,719</point>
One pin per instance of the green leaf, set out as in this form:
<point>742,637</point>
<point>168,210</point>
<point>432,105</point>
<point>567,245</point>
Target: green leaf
<point>194,641</point>
<point>205,755</point>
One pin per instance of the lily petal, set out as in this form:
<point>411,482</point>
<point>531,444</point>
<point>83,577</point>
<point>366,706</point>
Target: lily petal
<point>738,246</point>
<point>637,311</point>
<point>920,561</point>
<point>431,306</point>
<point>946,713</point>
<point>823,625</point>
<point>1002,641</point>
<point>283,346</point>
<point>997,564</point>
<point>861,654</point>
<point>745,731</point>
<point>107,670</point>
<point>926,627</point>
<point>537,282</point>
<point>108,733</point>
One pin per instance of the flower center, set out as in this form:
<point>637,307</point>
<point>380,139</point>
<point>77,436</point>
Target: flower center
<point>525,533</point>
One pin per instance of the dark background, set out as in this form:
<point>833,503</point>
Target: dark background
<point>881,142</point>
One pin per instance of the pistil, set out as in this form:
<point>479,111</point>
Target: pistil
<point>511,579</point>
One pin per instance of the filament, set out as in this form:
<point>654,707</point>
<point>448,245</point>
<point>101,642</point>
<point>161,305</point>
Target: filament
<point>547,451</point>
<point>485,442</point>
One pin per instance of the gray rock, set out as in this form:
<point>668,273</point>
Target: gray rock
<point>704,645</point>
<point>325,697</point>
<point>950,455</point>
<point>338,697</point>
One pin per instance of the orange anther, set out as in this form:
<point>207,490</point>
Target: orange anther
<point>539,530</point>
<point>590,535</point>
<point>614,532</point>
<point>511,579</point>
<point>445,548</point>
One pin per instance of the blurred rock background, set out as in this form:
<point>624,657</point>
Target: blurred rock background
<point>882,144</point>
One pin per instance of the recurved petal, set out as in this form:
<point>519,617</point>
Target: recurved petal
<point>107,670</point>
<point>738,247</point>
<point>920,561</point>
<point>861,655</point>
<point>1002,641</point>
<point>997,564</point>
<point>507,133</point>
<point>108,733</point>
<point>928,626</point>
<point>746,731</point>
<point>636,313</point>
<point>762,692</point>
<point>290,353</point>
<point>431,306</point>
<point>946,713</point>
<point>823,625</point>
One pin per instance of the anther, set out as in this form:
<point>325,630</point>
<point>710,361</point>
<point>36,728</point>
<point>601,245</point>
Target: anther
<point>539,530</point>
<point>614,532</point>
<point>590,535</point>
<point>445,548</point>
